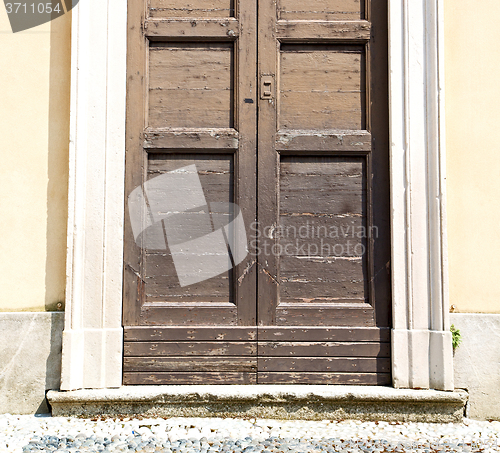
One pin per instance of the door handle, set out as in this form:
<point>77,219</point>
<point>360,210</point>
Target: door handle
<point>267,87</point>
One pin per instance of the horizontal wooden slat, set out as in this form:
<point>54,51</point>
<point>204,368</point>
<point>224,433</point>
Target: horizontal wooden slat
<point>324,378</point>
<point>189,348</point>
<point>203,108</point>
<point>265,333</point>
<point>335,235</point>
<point>196,314</point>
<point>298,30</point>
<point>162,284</point>
<point>295,314</point>
<point>323,185</point>
<point>341,141</point>
<point>270,333</point>
<point>323,349</point>
<point>306,278</point>
<point>197,333</point>
<point>195,8</point>
<point>191,28</point>
<point>189,363</point>
<point>186,378</point>
<point>157,140</point>
<point>296,364</point>
<point>215,171</point>
<point>321,9</point>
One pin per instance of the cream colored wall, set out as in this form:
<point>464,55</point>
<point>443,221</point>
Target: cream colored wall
<point>472,65</point>
<point>34,136</point>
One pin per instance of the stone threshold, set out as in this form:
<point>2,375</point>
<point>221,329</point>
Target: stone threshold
<point>285,402</point>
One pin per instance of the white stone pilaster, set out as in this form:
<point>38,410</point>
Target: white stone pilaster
<point>93,338</point>
<point>422,352</point>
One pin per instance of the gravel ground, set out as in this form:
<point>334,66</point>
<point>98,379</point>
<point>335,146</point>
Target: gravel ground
<point>27,433</point>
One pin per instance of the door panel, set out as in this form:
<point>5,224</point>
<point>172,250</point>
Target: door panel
<point>189,119</point>
<point>321,9</point>
<point>322,235</point>
<point>198,91</point>
<point>321,87</point>
<point>280,108</point>
<point>319,151</point>
<point>196,8</point>
<point>216,175</point>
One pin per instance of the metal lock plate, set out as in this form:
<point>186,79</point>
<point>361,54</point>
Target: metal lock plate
<point>267,87</point>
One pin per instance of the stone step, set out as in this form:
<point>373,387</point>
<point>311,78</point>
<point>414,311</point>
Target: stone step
<point>285,402</point>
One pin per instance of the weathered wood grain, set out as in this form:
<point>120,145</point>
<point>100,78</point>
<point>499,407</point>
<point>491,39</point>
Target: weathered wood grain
<point>191,364</point>
<point>167,289</point>
<point>323,236</point>
<point>340,166</point>
<point>323,349</point>
<point>329,141</point>
<point>322,185</point>
<point>197,333</point>
<point>192,8</point>
<point>189,348</point>
<point>188,378</point>
<point>203,101</point>
<point>345,313</point>
<point>313,265</point>
<point>323,31</point>
<point>215,171</point>
<point>304,278</point>
<point>198,91</point>
<point>158,140</point>
<point>209,313</point>
<point>267,163</point>
<point>321,87</point>
<point>274,333</point>
<point>133,281</point>
<point>321,9</point>
<point>324,378</point>
<point>323,364</point>
<point>216,174</point>
<point>199,28</point>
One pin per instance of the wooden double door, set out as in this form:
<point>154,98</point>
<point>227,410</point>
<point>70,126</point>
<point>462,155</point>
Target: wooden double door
<point>281,108</point>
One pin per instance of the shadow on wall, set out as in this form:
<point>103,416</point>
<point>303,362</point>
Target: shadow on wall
<point>58,155</point>
<point>53,361</point>
<point>57,198</point>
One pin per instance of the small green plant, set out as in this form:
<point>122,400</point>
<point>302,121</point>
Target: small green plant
<point>456,337</point>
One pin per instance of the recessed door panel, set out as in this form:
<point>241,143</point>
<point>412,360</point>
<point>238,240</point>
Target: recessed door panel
<point>321,9</point>
<point>193,8</point>
<point>321,87</point>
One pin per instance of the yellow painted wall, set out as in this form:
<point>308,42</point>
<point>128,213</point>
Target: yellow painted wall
<point>472,65</point>
<point>34,136</point>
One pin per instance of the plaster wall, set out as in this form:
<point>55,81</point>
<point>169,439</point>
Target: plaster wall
<point>472,65</point>
<point>34,141</point>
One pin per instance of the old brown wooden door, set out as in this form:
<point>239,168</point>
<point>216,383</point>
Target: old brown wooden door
<point>281,108</point>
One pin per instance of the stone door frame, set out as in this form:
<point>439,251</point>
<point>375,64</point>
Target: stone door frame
<point>93,335</point>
